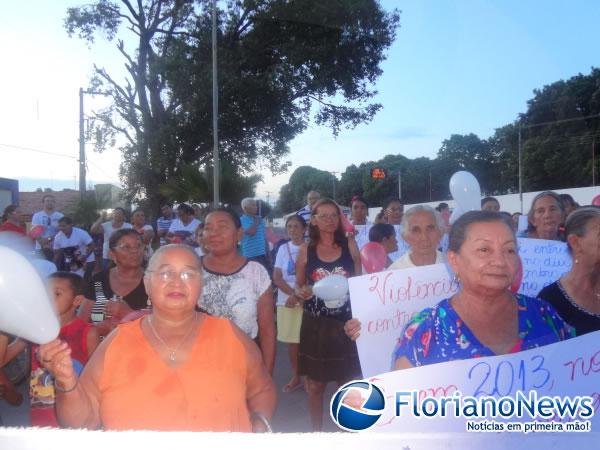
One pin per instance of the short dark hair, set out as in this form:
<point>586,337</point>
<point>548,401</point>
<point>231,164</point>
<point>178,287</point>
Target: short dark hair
<point>48,196</point>
<point>235,218</point>
<point>66,219</point>
<point>578,220</point>
<point>567,200</point>
<point>441,206</point>
<point>186,208</point>
<point>358,198</point>
<point>484,200</point>
<point>8,210</point>
<point>458,231</point>
<point>75,280</point>
<point>381,231</point>
<point>295,217</point>
<point>388,201</point>
<point>119,234</point>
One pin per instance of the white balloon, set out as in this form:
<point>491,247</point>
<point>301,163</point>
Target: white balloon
<point>333,289</point>
<point>465,190</point>
<point>25,309</point>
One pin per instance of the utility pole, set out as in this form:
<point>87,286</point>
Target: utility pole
<point>399,185</point>
<point>520,173</point>
<point>82,92</point>
<point>594,161</point>
<point>334,180</point>
<point>215,95</point>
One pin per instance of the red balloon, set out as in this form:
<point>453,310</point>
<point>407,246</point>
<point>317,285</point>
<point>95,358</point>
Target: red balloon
<point>373,257</point>
<point>36,231</point>
<point>516,284</point>
<point>596,200</point>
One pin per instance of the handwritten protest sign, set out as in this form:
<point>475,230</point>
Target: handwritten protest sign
<point>569,368</point>
<point>544,262</point>
<point>384,302</point>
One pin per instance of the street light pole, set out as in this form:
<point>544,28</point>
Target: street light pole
<point>81,146</point>
<point>520,173</point>
<point>215,95</point>
<point>82,174</point>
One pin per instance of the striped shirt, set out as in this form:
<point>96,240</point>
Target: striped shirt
<point>163,224</point>
<point>253,245</point>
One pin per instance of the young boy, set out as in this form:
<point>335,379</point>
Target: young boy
<point>66,291</point>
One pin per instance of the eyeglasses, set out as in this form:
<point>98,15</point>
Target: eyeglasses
<point>327,216</point>
<point>169,275</point>
<point>129,248</point>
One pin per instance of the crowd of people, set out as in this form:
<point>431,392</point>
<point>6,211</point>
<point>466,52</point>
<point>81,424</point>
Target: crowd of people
<point>174,326</point>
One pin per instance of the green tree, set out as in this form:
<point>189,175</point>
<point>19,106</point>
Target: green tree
<point>292,196</point>
<point>281,63</point>
<point>559,136</point>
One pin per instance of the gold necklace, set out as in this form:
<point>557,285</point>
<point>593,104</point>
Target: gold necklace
<point>172,351</point>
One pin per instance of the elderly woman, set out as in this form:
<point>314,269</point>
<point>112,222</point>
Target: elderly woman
<point>325,353</point>
<point>576,296</point>
<point>235,287</point>
<point>422,229</point>
<point>545,216</point>
<point>175,369</point>
<point>484,318</point>
<point>115,292</point>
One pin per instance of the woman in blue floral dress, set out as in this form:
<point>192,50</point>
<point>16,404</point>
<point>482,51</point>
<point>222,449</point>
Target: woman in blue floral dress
<point>484,318</point>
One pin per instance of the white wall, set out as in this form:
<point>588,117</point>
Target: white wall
<point>511,204</point>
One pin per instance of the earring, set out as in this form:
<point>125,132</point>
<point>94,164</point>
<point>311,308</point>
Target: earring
<point>576,261</point>
<point>148,302</point>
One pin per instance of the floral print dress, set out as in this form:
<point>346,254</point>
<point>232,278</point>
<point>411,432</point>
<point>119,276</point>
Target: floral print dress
<point>438,334</point>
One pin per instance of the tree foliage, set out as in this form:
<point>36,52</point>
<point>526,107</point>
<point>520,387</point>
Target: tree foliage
<point>281,64</point>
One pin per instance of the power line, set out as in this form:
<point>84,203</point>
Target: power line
<point>29,149</point>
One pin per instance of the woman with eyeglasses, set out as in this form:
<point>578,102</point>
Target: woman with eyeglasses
<point>235,287</point>
<point>115,292</point>
<point>325,353</point>
<point>174,369</point>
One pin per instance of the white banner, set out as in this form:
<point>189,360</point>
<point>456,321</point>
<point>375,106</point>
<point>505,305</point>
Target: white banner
<point>544,262</point>
<point>569,368</point>
<point>384,302</point>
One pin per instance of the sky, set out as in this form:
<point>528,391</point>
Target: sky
<point>456,67</point>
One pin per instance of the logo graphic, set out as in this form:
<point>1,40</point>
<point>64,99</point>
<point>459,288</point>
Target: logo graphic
<point>357,406</point>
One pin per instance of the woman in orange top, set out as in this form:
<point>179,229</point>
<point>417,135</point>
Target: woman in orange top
<point>174,369</point>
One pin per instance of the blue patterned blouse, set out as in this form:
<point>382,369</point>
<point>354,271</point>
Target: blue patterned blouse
<point>438,334</point>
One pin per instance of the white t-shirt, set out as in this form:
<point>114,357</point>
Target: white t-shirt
<point>235,295</point>
<point>403,246</point>
<point>49,222</point>
<point>79,238</point>
<point>404,262</point>
<point>108,231</point>
<point>287,254</point>
<point>187,233</point>
<point>362,234</point>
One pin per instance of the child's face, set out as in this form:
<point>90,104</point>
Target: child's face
<point>62,295</point>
